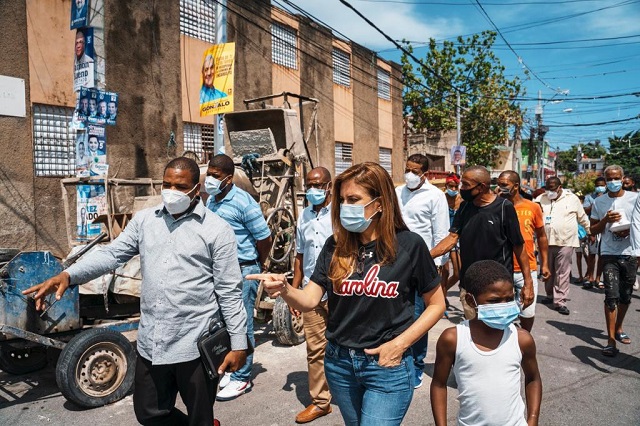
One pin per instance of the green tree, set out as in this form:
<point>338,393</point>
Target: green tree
<point>625,152</point>
<point>469,67</point>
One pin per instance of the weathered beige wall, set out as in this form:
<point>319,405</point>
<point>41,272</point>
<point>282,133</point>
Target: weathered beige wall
<point>286,79</point>
<point>143,66</point>
<point>16,152</point>
<point>51,45</point>
<point>191,51</point>
<point>399,153</point>
<point>365,105</point>
<point>385,118</point>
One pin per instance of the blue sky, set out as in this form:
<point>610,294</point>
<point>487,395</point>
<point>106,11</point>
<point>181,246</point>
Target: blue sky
<point>586,69</point>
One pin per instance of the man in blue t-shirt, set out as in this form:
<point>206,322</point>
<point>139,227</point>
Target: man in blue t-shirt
<point>243,213</point>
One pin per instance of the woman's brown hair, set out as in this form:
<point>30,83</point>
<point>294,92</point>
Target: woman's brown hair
<point>378,184</point>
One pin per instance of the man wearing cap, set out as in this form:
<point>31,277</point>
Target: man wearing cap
<point>561,210</point>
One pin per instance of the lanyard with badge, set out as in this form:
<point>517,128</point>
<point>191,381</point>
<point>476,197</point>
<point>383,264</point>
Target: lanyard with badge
<point>547,218</point>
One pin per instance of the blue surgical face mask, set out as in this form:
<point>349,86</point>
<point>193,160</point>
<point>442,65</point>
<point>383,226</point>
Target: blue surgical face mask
<point>212,185</point>
<point>452,192</point>
<point>601,189</point>
<point>352,217</point>
<point>316,196</point>
<point>498,315</point>
<point>614,185</point>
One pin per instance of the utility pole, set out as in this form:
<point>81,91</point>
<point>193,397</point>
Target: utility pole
<point>458,129</point>
<point>531,160</point>
<point>221,37</point>
<point>541,131</point>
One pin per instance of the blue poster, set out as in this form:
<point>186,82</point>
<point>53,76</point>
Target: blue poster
<point>79,14</point>
<point>97,107</point>
<point>83,65</point>
<point>91,203</point>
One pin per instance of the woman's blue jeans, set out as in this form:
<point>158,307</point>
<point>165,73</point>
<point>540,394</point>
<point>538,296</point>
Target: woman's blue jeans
<point>368,394</point>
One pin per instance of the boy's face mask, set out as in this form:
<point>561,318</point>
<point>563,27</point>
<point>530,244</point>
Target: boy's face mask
<point>498,315</point>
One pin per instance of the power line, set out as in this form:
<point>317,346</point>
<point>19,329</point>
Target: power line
<point>602,123</point>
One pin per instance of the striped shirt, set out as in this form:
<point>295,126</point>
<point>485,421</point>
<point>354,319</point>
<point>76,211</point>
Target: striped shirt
<point>244,215</point>
<point>190,272</point>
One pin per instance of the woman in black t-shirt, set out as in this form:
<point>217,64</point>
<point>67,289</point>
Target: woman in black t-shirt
<point>371,268</point>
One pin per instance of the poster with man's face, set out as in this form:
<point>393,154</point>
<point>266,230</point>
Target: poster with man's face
<point>79,14</point>
<point>82,155</point>
<point>458,155</point>
<point>216,92</point>
<point>83,64</point>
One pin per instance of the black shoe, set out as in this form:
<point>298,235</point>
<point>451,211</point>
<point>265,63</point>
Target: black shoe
<point>547,300</point>
<point>563,310</point>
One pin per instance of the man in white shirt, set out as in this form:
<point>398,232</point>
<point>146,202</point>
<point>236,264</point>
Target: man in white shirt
<point>314,227</point>
<point>611,215</point>
<point>426,212</point>
<point>562,211</point>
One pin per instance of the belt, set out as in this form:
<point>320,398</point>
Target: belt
<point>248,262</point>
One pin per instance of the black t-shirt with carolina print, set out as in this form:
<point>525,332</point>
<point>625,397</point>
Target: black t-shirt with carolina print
<point>377,305</point>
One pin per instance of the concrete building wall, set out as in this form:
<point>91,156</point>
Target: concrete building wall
<point>143,66</point>
<point>317,82</point>
<point>16,152</point>
<point>343,103</point>
<point>365,105</point>
<point>191,56</point>
<point>399,153</point>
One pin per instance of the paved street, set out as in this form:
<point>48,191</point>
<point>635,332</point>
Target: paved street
<point>581,387</point>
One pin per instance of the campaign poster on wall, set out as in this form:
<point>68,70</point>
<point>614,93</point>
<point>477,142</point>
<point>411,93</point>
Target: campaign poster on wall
<point>84,66</point>
<point>82,154</point>
<point>96,107</point>
<point>79,14</point>
<point>91,203</point>
<point>96,149</point>
<point>458,155</point>
<point>216,92</point>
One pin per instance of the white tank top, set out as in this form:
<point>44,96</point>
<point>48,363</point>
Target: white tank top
<point>489,382</point>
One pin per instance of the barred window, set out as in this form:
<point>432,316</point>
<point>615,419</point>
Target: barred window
<point>343,157</point>
<point>384,156</point>
<point>199,138</point>
<point>341,67</point>
<point>284,45</point>
<point>384,84</point>
<point>198,19</point>
<point>54,144</point>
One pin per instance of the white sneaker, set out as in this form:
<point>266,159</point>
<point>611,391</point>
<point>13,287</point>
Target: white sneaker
<point>419,381</point>
<point>224,381</point>
<point>233,390</point>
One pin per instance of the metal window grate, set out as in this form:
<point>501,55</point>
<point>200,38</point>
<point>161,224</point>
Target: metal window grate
<point>198,19</point>
<point>54,151</point>
<point>343,157</point>
<point>341,67</point>
<point>384,85</point>
<point>384,156</point>
<point>199,139</point>
<point>284,45</point>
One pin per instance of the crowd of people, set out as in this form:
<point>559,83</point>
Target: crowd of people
<point>372,269</point>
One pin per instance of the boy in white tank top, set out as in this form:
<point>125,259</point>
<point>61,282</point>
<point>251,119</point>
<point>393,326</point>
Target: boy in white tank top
<point>486,354</point>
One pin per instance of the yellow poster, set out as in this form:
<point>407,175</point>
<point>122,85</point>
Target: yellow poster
<point>216,93</point>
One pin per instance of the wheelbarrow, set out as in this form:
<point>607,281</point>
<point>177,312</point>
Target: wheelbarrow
<point>97,362</point>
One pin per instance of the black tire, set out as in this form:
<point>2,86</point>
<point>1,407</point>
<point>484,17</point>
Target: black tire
<point>96,368</point>
<point>289,329</point>
<point>16,360</point>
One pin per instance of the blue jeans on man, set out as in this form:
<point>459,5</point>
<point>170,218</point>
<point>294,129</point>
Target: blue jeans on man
<point>419,348</point>
<point>249,292</point>
<point>367,393</point>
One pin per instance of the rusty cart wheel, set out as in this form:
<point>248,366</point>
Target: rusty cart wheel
<point>96,368</point>
<point>289,329</point>
<point>17,360</point>
<point>283,233</point>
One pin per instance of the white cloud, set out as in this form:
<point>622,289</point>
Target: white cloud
<point>400,21</point>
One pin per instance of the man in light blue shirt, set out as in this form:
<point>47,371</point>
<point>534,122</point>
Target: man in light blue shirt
<point>314,227</point>
<point>190,276</point>
<point>242,212</point>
